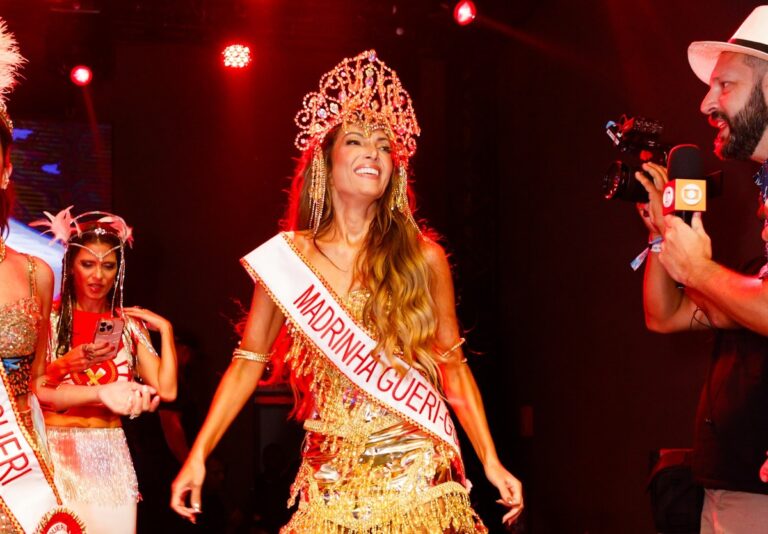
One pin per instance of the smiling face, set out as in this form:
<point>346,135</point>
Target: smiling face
<point>361,163</point>
<point>736,106</point>
<point>94,270</point>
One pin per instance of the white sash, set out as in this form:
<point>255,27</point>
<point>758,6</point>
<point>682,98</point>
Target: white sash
<point>312,306</point>
<point>27,494</point>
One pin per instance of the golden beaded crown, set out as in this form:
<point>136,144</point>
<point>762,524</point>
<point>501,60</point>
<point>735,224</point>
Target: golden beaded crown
<point>360,90</point>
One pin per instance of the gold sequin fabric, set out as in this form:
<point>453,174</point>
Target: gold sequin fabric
<point>19,323</point>
<point>92,465</point>
<point>7,526</point>
<point>366,470</point>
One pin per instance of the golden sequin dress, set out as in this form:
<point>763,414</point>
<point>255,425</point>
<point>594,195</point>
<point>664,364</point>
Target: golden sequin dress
<point>19,329</point>
<point>364,469</point>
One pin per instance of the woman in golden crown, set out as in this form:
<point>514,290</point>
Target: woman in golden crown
<point>376,356</point>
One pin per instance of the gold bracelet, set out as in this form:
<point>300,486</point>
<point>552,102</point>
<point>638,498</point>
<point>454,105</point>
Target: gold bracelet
<point>242,354</point>
<point>455,346</point>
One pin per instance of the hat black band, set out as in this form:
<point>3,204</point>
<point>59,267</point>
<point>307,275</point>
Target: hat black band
<point>750,44</point>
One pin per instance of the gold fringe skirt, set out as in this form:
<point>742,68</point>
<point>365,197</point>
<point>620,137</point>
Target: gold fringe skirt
<point>442,509</point>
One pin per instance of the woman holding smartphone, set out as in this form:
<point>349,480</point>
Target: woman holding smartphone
<point>94,342</point>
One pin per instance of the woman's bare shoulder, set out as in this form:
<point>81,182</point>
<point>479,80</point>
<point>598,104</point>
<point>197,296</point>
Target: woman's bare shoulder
<point>435,254</point>
<point>302,240</point>
<point>20,261</point>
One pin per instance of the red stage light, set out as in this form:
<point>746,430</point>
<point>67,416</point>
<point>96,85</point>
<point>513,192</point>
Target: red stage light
<point>81,75</point>
<point>237,56</point>
<point>464,12</point>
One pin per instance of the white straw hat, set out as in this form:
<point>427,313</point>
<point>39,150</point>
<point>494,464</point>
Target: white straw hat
<point>751,38</point>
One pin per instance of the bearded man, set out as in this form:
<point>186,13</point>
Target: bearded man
<point>731,431</point>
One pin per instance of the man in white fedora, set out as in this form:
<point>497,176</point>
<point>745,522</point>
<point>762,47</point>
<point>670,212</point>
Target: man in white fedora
<point>731,432</point>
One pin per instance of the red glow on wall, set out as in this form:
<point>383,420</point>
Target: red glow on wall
<point>237,56</point>
<point>81,75</point>
<point>464,12</point>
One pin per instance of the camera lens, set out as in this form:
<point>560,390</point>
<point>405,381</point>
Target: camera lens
<point>619,182</point>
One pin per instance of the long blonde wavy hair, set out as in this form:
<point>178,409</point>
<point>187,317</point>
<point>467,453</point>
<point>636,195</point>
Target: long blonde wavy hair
<point>391,265</point>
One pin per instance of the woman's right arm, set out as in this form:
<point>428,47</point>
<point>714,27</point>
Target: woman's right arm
<point>79,359</point>
<point>236,387</point>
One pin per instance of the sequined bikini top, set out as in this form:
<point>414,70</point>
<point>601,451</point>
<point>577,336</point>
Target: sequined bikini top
<point>19,324</point>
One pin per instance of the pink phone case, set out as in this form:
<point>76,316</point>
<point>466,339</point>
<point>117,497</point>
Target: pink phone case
<point>109,330</point>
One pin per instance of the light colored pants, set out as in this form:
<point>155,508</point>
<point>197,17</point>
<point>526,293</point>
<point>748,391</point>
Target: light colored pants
<point>734,512</point>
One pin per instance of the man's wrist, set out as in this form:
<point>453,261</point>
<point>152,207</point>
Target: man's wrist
<point>654,242</point>
<point>700,273</point>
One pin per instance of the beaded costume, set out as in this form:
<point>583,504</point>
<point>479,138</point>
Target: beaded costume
<point>90,453</point>
<point>368,465</point>
<point>19,330</point>
<point>93,467</point>
<point>374,459</point>
<point>19,326</point>
<point>29,501</point>
<point>364,469</point>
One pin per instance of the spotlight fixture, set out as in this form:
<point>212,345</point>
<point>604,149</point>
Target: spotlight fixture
<point>81,75</point>
<point>237,56</point>
<point>464,12</point>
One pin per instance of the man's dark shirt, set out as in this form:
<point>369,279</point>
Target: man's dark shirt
<point>731,436</point>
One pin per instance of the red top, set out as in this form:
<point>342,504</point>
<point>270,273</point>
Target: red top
<point>93,416</point>
<point>83,330</point>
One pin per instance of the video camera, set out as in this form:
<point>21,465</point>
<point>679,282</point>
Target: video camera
<point>639,138</point>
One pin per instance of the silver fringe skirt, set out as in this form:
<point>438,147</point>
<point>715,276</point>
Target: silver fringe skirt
<point>92,465</point>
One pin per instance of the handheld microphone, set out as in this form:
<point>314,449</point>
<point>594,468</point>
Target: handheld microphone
<point>686,191</point>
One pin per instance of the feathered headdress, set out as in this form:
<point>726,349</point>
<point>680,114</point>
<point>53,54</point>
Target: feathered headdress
<point>64,227</point>
<point>10,62</point>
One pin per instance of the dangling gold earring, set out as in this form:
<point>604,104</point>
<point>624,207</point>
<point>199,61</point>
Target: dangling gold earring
<point>319,177</point>
<point>399,197</point>
<point>6,179</point>
<point>399,188</point>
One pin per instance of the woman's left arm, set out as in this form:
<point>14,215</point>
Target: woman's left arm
<point>160,373</point>
<point>460,387</point>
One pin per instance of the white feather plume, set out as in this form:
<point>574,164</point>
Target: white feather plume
<point>10,61</point>
<point>124,232</point>
<point>61,226</point>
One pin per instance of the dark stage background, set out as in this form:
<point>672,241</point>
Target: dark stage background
<point>508,171</point>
